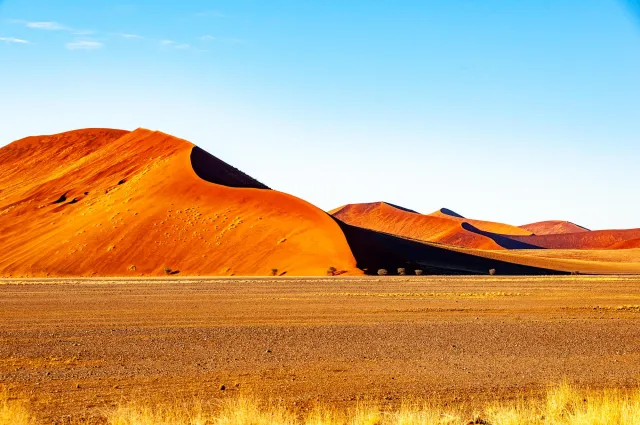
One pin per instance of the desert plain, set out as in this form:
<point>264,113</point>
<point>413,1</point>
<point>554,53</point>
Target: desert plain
<point>76,348</point>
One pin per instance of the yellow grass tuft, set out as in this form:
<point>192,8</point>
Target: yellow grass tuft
<point>13,412</point>
<point>563,405</point>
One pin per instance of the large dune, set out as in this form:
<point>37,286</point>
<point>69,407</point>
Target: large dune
<point>111,202</point>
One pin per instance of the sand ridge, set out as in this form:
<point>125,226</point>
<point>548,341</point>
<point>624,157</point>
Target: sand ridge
<point>554,227</point>
<point>437,227</point>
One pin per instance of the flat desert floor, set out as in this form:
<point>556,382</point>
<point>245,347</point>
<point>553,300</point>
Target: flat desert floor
<point>77,347</point>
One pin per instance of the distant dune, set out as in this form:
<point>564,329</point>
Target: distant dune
<point>595,239</point>
<point>437,227</point>
<point>553,227</point>
<point>111,202</point>
<point>445,231</point>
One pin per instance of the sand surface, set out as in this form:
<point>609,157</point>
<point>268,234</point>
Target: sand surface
<point>554,227</point>
<point>77,347</point>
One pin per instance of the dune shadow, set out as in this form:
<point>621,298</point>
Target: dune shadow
<point>61,199</point>
<point>502,240</point>
<point>447,211</point>
<point>402,208</point>
<point>214,170</point>
<point>376,250</point>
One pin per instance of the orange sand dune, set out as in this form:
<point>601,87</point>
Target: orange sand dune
<point>596,239</point>
<point>485,226</point>
<point>111,202</point>
<point>444,229</point>
<point>553,227</point>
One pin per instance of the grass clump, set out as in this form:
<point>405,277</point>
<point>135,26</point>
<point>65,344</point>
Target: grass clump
<point>13,412</point>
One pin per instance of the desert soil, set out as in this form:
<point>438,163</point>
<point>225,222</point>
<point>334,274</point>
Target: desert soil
<point>79,347</point>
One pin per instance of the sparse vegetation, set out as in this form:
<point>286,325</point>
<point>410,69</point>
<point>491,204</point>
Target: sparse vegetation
<point>167,270</point>
<point>274,272</point>
<point>492,272</point>
<point>382,272</point>
<point>562,405</point>
<point>332,271</point>
<point>402,271</point>
<point>418,272</point>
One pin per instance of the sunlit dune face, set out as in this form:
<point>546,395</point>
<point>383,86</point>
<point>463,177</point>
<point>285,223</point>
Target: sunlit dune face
<point>110,202</point>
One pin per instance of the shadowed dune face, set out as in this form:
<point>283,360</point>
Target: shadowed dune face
<point>374,250</point>
<point>111,202</point>
<point>553,227</point>
<point>437,227</point>
<point>213,170</point>
<point>446,212</point>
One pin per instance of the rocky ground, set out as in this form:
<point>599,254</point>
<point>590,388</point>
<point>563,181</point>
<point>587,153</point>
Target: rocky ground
<point>79,347</point>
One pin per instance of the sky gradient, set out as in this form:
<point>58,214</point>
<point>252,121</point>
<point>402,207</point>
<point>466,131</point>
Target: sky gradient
<point>500,110</point>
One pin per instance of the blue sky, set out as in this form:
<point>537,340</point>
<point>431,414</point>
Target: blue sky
<point>514,111</point>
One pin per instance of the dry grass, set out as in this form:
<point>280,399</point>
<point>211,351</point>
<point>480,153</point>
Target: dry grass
<point>13,412</point>
<point>563,405</point>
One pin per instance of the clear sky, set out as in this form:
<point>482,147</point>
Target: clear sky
<point>512,111</point>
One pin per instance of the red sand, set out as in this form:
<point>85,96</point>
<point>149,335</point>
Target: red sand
<point>629,244</point>
<point>131,204</point>
<point>553,227</point>
<point>596,239</point>
<point>437,227</point>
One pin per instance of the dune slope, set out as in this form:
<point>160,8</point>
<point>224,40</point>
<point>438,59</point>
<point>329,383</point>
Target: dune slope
<point>553,227</point>
<point>438,227</point>
<point>595,239</point>
<point>101,202</point>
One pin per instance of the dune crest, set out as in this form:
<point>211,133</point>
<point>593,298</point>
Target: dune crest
<point>437,227</point>
<point>111,202</point>
<point>554,227</point>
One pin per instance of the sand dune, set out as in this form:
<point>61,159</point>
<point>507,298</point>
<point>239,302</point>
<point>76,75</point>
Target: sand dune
<point>111,202</point>
<point>553,227</point>
<point>596,239</point>
<point>442,226</point>
<point>102,202</point>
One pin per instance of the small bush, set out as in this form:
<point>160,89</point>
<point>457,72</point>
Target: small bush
<point>418,272</point>
<point>332,271</point>
<point>575,273</point>
<point>274,272</point>
<point>402,271</point>
<point>167,270</point>
<point>492,272</point>
<point>382,272</point>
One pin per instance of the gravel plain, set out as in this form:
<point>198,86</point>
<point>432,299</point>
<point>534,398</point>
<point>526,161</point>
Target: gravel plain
<point>80,346</point>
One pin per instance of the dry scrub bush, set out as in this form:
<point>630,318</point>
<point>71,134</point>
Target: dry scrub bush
<point>382,272</point>
<point>402,271</point>
<point>418,272</point>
